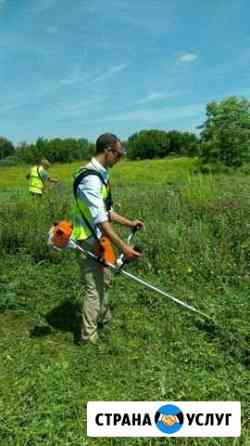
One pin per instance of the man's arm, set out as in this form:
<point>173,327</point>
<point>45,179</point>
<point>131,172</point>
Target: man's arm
<point>53,179</point>
<point>114,216</point>
<point>45,176</point>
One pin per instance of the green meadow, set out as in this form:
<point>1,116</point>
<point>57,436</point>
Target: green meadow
<point>196,246</point>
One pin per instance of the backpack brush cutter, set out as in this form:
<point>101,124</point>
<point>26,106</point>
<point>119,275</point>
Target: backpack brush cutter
<point>60,238</point>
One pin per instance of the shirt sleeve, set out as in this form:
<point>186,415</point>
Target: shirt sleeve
<point>43,174</point>
<point>90,192</point>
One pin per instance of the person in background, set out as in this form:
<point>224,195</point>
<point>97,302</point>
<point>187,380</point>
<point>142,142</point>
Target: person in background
<point>38,177</point>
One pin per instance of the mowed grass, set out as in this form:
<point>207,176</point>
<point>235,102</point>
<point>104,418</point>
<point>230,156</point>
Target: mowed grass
<point>195,246</point>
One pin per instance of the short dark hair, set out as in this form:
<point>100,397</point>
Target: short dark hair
<point>45,163</point>
<point>106,140</point>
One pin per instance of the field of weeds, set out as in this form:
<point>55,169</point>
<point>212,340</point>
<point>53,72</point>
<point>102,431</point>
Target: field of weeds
<point>196,246</point>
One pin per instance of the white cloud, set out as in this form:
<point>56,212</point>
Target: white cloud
<point>187,57</point>
<point>158,96</point>
<point>118,68</point>
<point>151,97</point>
<point>109,73</point>
<point>74,77</point>
<point>81,107</point>
<point>159,114</point>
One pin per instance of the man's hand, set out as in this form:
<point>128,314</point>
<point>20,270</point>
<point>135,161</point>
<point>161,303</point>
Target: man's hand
<point>130,253</point>
<point>53,179</point>
<point>138,224</point>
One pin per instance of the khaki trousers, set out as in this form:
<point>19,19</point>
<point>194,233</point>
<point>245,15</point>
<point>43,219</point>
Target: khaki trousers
<point>95,280</point>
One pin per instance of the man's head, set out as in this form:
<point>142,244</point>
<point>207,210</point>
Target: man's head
<point>45,163</point>
<point>109,149</point>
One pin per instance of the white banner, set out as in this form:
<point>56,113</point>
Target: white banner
<point>163,419</point>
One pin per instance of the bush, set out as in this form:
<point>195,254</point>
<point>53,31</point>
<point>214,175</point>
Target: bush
<point>8,162</point>
<point>226,133</point>
<point>6,148</point>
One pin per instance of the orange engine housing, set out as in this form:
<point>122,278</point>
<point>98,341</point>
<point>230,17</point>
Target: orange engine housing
<point>62,233</point>
<point>104,250</point>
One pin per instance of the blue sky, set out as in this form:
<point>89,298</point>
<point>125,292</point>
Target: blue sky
<point>78,68</point>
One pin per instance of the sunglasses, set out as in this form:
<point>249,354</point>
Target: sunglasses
<point>118,153</point>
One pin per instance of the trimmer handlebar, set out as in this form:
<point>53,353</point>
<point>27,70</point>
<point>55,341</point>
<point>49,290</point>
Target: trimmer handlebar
<point>132,233</point>
<point>135,228</point>
<point>121,261</point>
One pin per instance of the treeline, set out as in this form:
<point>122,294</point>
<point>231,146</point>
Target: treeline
<point>148,144</point>
<point>224,140</point>
<point>142,145</point>
<point>55,150</point>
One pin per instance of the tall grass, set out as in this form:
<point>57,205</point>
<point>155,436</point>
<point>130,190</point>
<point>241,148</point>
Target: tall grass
<point>136,171</point>
<point>196,246</point>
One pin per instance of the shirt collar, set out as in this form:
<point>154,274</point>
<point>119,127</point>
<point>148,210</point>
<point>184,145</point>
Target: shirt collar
<point>98,166</point>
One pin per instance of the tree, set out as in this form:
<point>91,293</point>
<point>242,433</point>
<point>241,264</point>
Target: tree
<point>183,143</point>
<point>190,144</point>
<point>225,138</point>
<point>148,144</point>
<point>6,148</point>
